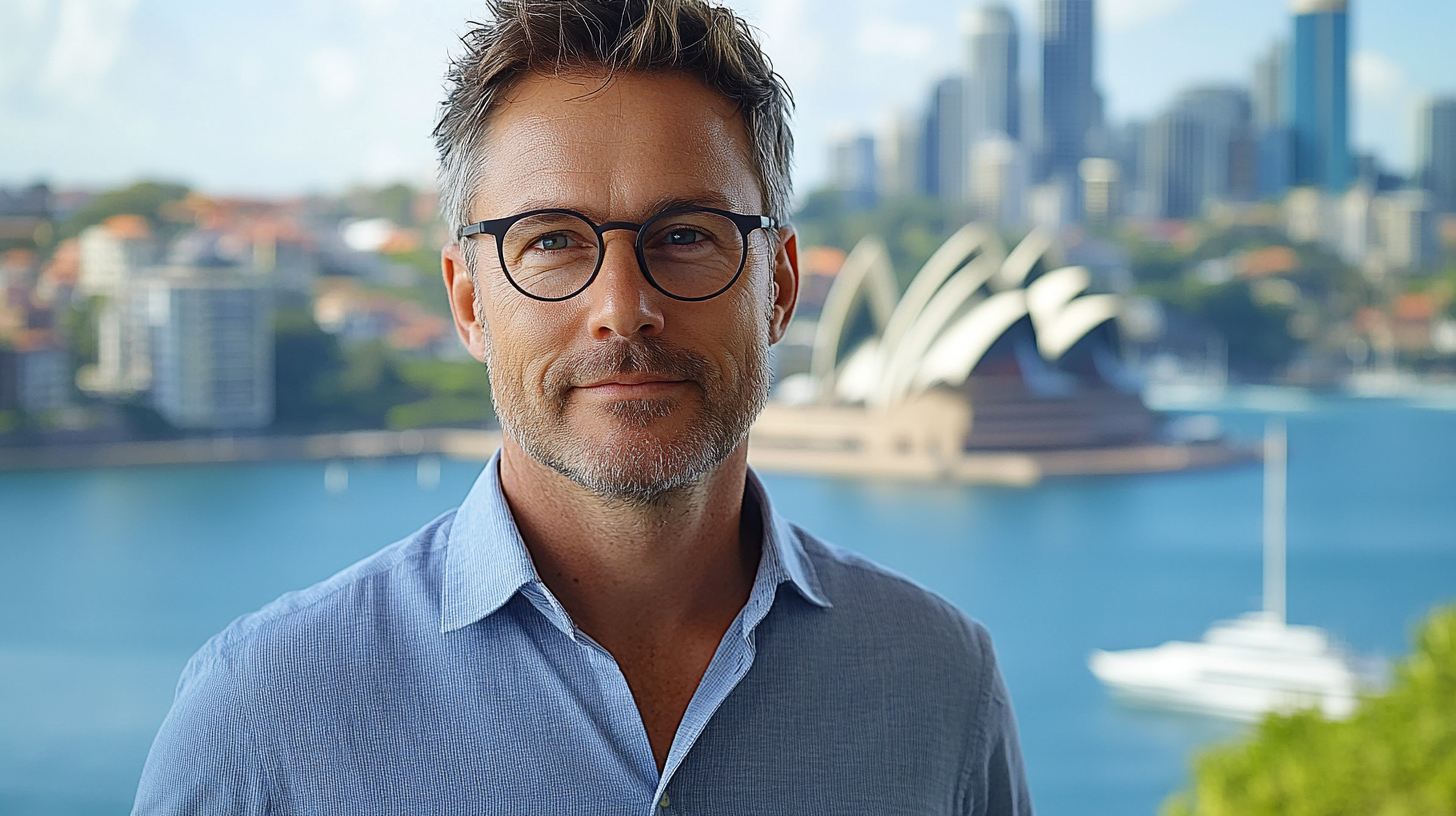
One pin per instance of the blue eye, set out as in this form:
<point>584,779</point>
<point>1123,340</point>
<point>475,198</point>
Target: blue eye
<point>556,240</point>
<point>682,236</point>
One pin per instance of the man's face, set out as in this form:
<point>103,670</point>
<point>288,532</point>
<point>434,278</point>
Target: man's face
<point>622,389</point>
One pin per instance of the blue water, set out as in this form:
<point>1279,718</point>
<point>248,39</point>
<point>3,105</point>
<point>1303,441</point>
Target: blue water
<point>110,579</point>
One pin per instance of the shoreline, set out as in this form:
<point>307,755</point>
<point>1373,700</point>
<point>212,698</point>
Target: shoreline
<point>1014,468</point>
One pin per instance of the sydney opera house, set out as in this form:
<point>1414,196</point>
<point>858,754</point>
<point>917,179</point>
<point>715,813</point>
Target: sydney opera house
<point>991,366</point>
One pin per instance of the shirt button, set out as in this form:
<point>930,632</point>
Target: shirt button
<point>664,802</point>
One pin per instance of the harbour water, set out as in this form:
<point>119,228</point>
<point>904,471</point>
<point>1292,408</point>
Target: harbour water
<point>110,579</point>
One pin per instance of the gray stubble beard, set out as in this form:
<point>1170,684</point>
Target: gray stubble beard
<point>646,472</point>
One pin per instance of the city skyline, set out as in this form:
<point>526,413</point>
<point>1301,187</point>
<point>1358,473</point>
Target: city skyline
<point>295,97</point>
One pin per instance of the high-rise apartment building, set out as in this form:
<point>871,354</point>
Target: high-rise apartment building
<point>993,70</point>
<point>1273,142</point>
<point>943,150</point>
<point>1227,162</point>
<point>1172,165</point>
<point>115,255</point>
<point>856,173</point>
<point>1407,226</point>
<point>1436,151</point>
<point>999,181</point>
<point>897,151</point>
<point>1070,106</point>
<point>212,348</point>
<point>1320,113</point>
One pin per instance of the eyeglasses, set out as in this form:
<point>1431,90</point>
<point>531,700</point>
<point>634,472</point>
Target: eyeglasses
<point>686,253</point>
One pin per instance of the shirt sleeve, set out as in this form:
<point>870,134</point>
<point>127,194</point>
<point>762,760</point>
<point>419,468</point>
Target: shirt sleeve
<point>997,777</point>
<point>204,761</point>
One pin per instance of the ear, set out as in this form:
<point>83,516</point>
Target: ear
<point>464,303</point>
<point>785,283</point>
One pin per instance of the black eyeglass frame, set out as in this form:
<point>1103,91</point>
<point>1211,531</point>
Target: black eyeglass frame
<point>499,226</point>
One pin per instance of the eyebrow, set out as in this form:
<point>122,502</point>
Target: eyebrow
<point>703,198</point>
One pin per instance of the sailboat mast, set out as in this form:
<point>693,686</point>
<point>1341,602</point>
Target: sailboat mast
<point>1275,497</point>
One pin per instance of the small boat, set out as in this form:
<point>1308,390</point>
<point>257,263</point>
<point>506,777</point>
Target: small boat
<point>1250,666</point>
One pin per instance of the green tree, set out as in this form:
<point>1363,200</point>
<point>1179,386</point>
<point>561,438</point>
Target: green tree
<point>1395,757</point>
<point>149,199</point>
<point>459,395</point>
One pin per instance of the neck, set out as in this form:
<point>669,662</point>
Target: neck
<point>633,572</point>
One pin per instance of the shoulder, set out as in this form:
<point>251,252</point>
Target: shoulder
<point>869,592</point>
<point>399,580</point>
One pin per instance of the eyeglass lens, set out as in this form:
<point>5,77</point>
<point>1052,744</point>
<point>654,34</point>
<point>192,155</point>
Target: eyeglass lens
<point>688,255</point>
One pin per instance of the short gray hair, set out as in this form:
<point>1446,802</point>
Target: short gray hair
<point>694,37</point>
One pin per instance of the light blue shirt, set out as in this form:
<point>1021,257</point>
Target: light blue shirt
<point>440,676</point>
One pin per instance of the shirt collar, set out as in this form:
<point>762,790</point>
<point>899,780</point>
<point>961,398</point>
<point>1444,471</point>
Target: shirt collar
<point>486,562</point>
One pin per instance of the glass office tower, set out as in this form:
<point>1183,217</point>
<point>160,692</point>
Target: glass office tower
<point>1069,103</point>
<point>1321,110</point>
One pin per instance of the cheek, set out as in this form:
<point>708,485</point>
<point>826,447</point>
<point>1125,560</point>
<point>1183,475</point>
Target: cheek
<point>524,339</point>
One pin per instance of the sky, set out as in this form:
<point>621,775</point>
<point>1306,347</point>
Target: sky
<point>286,96</point>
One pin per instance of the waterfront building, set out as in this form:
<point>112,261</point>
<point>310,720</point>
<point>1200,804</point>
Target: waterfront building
<point>984,350</point>
<point>898,153</point>
<point>1099,189</point>
<point>1271,113</point>
<point>1226,161</point>
<point>1125,145</point>
<point>993,75</point>
<point>1320,115</point>
<point>1406,221</point>
<point>943,146</point>
<point>114,252</point>
<point>1357,236</point>
<point>1312,216</point>
<point>35,374</point>
<point>998,181</point>
<point>855,172</point>
<point>115,256</point>
<point>1436,151</point>
<point>1050,207</point>
<point>1070,107</point>
<point>1173,170</point>
<point>211,338</point>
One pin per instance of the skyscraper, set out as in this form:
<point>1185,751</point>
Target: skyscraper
<point>993,86</point>
<point>1321,110</point>
<point>1272,139</point>
<point>1226,162</point>
<point>944,153</point>
<point>1172,165</point>
<point>856,173</point>
<point>1436,151</point>
<point>212,349</point>
<point>1069,103</point>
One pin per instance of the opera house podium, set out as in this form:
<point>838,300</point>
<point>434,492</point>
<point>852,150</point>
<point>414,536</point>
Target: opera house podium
<point>992,366</point>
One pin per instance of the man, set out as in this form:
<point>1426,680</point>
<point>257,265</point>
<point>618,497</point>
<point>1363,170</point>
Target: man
<point>615,620</point>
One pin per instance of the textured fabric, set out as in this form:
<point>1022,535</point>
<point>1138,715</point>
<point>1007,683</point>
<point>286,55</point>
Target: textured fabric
<point>440,676</point>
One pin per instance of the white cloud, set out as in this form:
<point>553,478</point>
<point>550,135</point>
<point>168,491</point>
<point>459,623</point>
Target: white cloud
<point>883,37</point>
<point>1120,15</point>
<point>90,36</point>
<point>335,75</point>
<point>1382,107</point>
<point>1378,79</point>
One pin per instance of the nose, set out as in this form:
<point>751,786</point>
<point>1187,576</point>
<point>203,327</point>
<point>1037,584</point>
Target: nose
<point>622,302</point>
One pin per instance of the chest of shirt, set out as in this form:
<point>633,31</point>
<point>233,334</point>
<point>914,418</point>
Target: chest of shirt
<point>512,715</point>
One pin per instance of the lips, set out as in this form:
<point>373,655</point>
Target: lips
<point>633,379</point>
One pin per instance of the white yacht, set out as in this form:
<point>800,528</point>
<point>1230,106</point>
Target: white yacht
<point>1247,667</point>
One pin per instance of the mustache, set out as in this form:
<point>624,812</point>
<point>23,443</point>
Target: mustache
<point>647,355</point>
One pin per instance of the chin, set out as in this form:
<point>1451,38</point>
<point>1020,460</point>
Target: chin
<point>638,453</point>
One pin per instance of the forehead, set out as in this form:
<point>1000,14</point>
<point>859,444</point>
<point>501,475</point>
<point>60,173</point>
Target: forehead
<point>615,150</point>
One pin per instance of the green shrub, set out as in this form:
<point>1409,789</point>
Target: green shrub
<point>1395,757</point>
